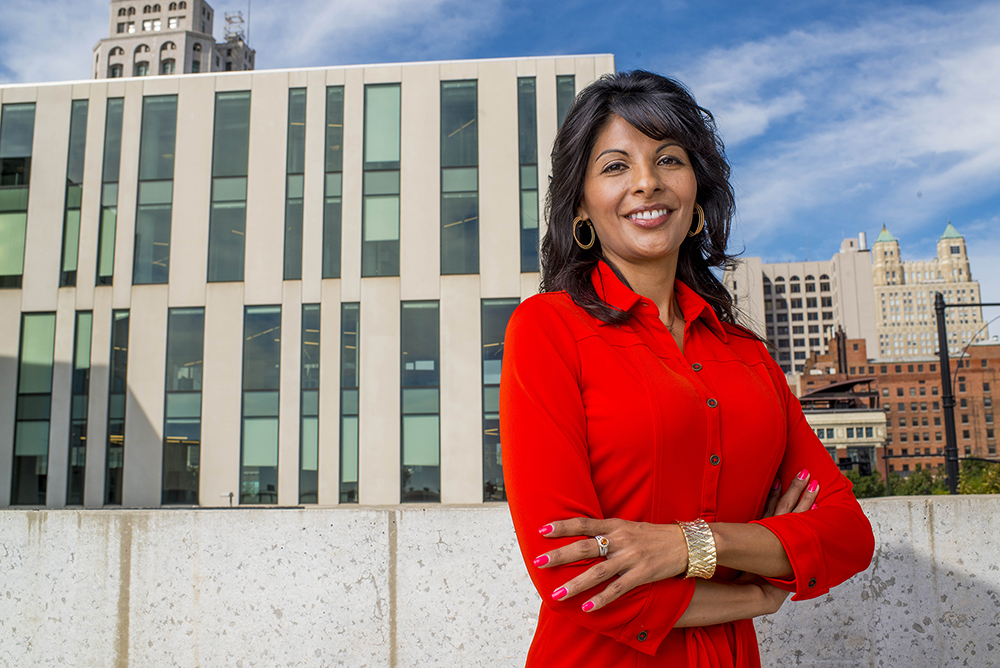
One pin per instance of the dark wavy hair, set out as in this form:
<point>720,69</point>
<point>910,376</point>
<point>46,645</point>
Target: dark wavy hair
<point>660,108</point>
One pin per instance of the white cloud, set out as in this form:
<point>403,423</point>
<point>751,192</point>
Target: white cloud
<point>846,127</point>
<point>50,40</point>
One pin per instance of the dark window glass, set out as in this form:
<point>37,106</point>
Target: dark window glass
<point>565,94</point>
<point>182,417</point>
<point>420,478</point>
<point>380,212</point>
<point>156,172</point>
<point>17,126</point>
<point>34,399</point>
<point>109,191</point>
<point>350,381</point>
<point>459,178</point>
<point>309,406</point>
<point>79,404</point>
<point>527,137</point>
<point>495,314</point>
<point>227,224</point>
<point>118,387</point>
<point>334,160</point>
<point>74,192</point>
<point>295,169</point>
<point>261,381</point>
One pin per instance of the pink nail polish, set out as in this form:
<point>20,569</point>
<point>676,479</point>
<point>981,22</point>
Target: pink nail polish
<point>803,474</point>
<point>547,529</point>
<point>559,593</point>
<point>541,561</point>
<point>776,485</point>
<point>588,606</point>
<point>814,507</point>
<point>813,486</point>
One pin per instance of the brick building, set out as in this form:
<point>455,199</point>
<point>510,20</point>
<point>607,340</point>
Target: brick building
<point>910,395</point>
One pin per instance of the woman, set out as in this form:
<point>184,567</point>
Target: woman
<point>631,401</point>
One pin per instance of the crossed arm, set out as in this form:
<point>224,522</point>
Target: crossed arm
<point>641,552</point>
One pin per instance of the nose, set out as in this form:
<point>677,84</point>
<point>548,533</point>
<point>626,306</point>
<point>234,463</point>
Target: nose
<point>645,179</point>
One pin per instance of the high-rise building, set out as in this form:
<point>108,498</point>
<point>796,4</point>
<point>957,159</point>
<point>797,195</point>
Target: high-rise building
<point>798,306</point>
<point>146,39</point>
<point>904,297</point>
<point>268,287</point>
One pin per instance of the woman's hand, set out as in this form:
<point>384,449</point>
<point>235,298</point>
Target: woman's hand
<point>639,552</point>
<point>800,497</point>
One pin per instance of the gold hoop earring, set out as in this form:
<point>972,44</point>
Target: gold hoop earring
<point>593,233</point>
<point>700,215</point>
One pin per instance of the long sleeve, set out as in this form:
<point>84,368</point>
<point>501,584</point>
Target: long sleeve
<point>548,471</point>
<point>833,542</point>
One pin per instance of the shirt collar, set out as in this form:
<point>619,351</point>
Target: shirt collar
<point>616,294</point>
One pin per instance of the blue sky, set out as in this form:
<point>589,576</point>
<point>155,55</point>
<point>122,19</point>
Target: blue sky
<point>838,117</point>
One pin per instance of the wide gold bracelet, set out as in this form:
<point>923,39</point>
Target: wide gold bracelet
<point>701,549</point>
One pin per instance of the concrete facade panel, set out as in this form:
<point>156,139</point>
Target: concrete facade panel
<point>144,403</point>
<point>288,416</point>
<point>375,74</point>
<point>461,391</point>
<point>329,396</point>
<point>10,351</point>
<point>90,206</point>
<point>97,403</point>
<point>46,199</point>
<point>222,399</point>
<point>192,192</point>
<point>420,184</point>
<point>62,379</point>
<point>266,188</point>
<point>499,203</point>
<point>461,69</point>
<point>354,117</point>
<point>312,203</point>
<point>379,460</point>
<point>128,188</point>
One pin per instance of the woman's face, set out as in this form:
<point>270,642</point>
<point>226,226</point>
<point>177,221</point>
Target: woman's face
<point>640,193</point>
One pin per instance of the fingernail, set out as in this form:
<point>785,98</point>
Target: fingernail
<point>541,561</point>
<point>588,606</point>
<point>559,593</point>
<point>803,474</point>
<point>814,507</point>
<point>776,485</point>
<point>813,486</point>
<point>545,529</point>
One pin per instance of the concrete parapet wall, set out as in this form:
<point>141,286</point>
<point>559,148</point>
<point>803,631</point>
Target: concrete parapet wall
<point>437,586</point>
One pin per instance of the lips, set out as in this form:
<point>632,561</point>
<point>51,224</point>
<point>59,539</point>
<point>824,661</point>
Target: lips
<point>649,217</point>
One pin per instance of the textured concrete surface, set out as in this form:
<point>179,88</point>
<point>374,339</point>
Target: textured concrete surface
<point>437,586</point>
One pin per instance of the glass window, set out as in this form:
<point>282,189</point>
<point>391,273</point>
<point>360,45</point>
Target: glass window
<point>109,191</point>
<point>182,417</point>
<point>495,314</point>
<point>34,398</point>
<point>309,406</point>
<point>334,161</point>
<point>74,192</point>
<point>527,137</point>
<point>261,382</point>
<point>79,403</point>
<point>459,178</point>
<point>380,208</point>
<point>565,94</point>
<point>17,127</point>
<point>117,389</point>
<point>350,380</point>
<point>228,218</point>
<point>156,173</point>
<point>295,170</point>
<point>420,477</point>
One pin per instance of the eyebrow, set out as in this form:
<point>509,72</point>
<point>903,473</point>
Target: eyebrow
<point>625,153</point>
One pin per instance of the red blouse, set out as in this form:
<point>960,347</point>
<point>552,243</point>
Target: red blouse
<point>612,421</point>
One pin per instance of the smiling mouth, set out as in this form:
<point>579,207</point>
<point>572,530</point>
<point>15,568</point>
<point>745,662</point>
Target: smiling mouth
<point>648,215</point>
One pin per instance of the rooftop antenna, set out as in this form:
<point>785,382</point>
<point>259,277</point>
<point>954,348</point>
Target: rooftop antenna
<point>234,27</point>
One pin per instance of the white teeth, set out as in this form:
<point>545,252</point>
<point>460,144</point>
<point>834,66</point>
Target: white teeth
<point>649,215</point>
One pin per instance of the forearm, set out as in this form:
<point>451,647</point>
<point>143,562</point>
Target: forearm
<point>716,603</point>
<point>751,548</point>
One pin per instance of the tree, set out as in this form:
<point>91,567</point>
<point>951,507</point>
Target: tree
<point>868,486</point>
<point>979,478</point>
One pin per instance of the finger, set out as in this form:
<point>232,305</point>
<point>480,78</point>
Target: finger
<point>808,498</point>
<point>616,588</point>
<point>568,554</point>
<point>791,498</point>
<point>593,576</point>
<point>577,526</point>
<point>772,498</point>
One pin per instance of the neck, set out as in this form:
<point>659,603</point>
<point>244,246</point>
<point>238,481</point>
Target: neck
<point>655,282</point>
